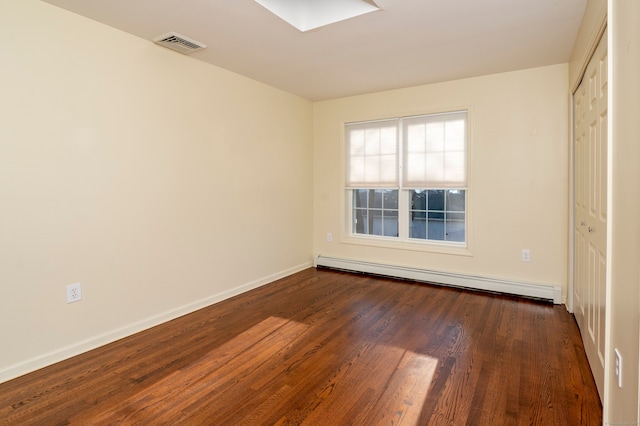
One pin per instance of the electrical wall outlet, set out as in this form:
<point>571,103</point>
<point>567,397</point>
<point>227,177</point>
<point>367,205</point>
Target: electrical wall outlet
<point>329,237</point>
<point>618,367</point>
<point>526,255</point>
<point>74,293</point>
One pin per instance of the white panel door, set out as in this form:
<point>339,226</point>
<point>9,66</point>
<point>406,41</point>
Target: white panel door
<point>590,209</point>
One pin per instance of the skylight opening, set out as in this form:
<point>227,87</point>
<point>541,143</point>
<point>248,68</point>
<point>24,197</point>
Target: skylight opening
<point>306,15</point>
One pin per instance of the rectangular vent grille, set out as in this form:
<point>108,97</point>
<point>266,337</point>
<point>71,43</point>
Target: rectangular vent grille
<point>179,43</point>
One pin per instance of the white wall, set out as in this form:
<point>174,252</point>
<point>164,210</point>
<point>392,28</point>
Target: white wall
<point>519,176</point>
<point>159,182</point>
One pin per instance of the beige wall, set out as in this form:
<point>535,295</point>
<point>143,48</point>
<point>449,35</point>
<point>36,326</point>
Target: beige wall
<point>621,405</point>
<point>519,176</point>
<point>159,182</point>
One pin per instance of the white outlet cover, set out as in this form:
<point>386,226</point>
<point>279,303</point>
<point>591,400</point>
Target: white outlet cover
<point>74,293</point>
<point>618,367</point>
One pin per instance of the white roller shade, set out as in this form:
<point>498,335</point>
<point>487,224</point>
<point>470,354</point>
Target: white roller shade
<point>372,154</point>
<point>435,151</point>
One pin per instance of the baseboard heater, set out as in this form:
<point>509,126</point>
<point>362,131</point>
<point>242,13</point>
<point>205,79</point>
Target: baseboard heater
<point>547,292</point>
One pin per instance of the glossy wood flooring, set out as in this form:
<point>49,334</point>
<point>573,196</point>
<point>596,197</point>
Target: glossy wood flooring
<point>328,348</point>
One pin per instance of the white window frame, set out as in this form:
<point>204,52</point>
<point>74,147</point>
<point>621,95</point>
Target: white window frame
<point>403,241</point>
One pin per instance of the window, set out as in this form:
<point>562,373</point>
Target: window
<point>407,178</point>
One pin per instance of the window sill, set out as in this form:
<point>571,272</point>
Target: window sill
<point>448,248</point>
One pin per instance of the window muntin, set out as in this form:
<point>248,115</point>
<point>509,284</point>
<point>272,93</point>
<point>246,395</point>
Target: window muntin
<point>407,178</point>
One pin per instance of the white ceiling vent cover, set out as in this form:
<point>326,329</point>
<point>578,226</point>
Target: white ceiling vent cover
<point>179,42</point>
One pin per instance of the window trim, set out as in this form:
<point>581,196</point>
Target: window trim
<point>406,243</point>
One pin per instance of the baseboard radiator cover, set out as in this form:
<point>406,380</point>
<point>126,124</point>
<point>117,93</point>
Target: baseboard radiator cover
<point>547,292</point>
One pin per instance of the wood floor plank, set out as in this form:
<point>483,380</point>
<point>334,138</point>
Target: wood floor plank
<point>324,347</point>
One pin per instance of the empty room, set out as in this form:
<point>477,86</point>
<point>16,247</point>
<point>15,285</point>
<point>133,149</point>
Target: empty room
<point>354,212</point>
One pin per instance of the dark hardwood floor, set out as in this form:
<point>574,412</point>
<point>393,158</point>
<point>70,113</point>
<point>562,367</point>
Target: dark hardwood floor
<point>328,348</point>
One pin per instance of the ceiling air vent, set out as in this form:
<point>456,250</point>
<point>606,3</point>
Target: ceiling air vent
<point>179,42</point>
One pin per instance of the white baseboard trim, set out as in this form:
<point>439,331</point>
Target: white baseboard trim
<point>78,348</point>
<point>535,290</point>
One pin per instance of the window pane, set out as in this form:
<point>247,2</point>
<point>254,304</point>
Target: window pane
<point>415,167</point>
<point>388,140</point>
<point>360,198</point>
<point>456,217</point>
<point>375,198</point>
<point>391,199</point>
<point>371,169</point>
<point>375,222</point>
<point>435,167</point>
<point>356,169</point>
<point>436,199</point>
<point>455,200</point>
<point>388,169</point>
<point>454,135</point>
<point>419,215</point>
<point>435,226</point>
<point>375,212</point>
<point>372,139</point>
<point>418,199</point>
<point>416,138</point>
<point>360,220</point>
<point>454,167</point>
<point>455,227</point>
<point>435,137</point>
<point>418,225</point>
<point>356,142</point>
<point>390,223</point>
<point>436,216</point>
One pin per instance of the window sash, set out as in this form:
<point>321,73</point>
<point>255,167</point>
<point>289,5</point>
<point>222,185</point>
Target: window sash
<point>402,210</point>
<point>434,151</point>
<point>372,154</point>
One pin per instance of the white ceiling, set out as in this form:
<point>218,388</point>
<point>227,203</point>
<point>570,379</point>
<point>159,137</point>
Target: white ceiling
<point>406,43</point>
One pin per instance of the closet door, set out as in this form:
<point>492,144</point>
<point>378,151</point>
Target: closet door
<point>590,209</point>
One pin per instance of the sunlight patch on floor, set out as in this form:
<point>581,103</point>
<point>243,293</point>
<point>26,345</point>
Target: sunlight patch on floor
<point>410,385</point>
<point>254,347</point>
